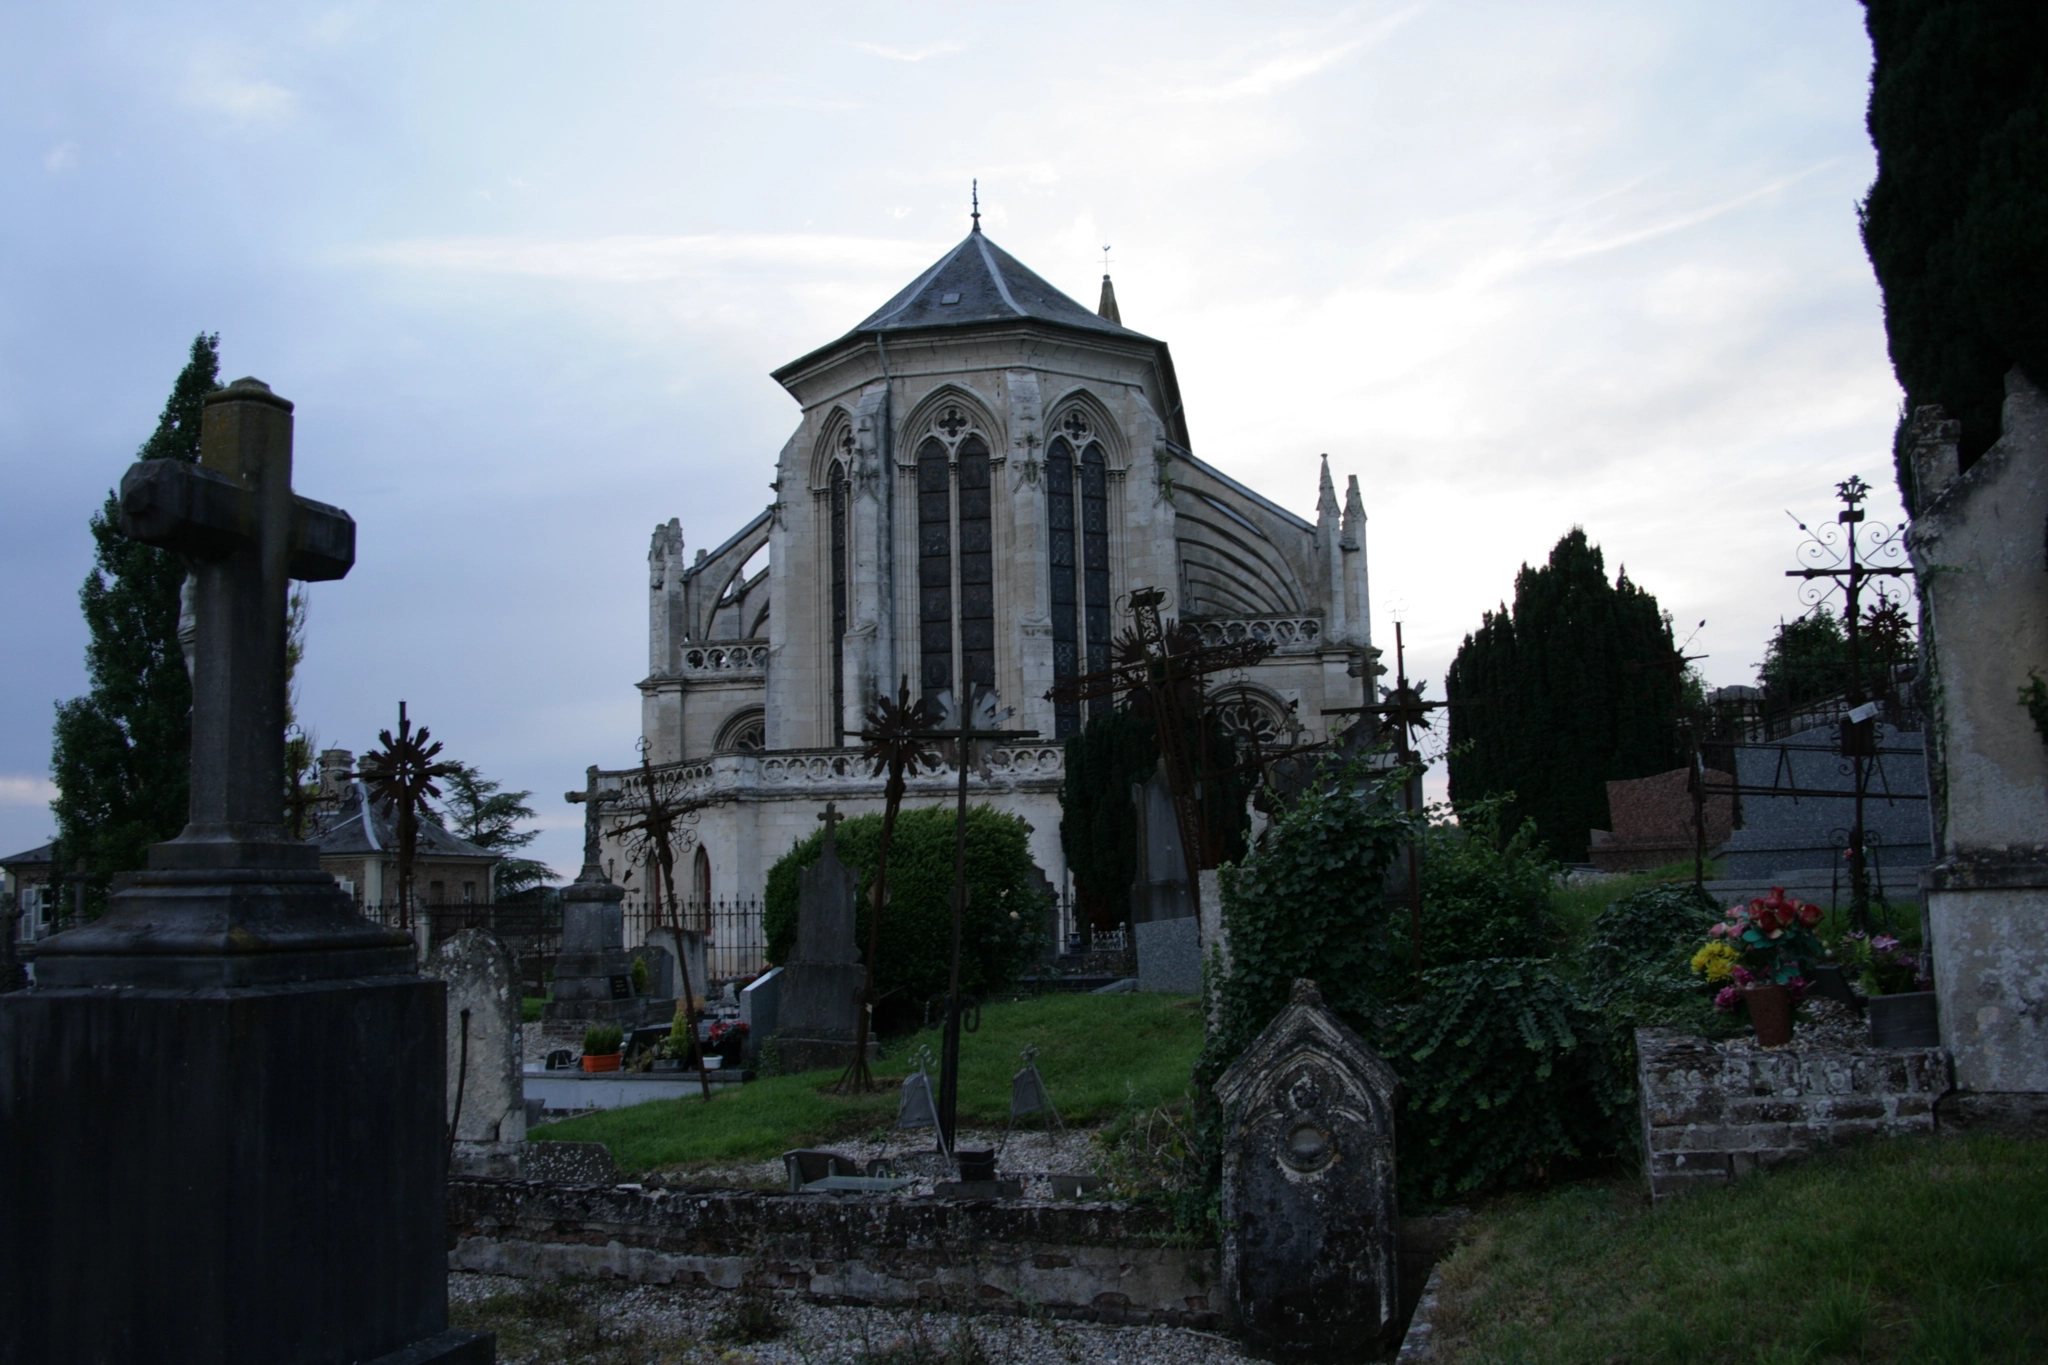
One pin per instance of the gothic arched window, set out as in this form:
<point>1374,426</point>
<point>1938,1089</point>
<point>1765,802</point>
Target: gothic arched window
<point>1077,515</point>
<point>956,613</point>
<point>839,500</point>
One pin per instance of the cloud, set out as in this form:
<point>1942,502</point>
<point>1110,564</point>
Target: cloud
<point>61,158</point>
<point>19,790</point>
<point>636,259</point>
<point>917,54</point>
<point>1277,73</point>
<point>214,83</point>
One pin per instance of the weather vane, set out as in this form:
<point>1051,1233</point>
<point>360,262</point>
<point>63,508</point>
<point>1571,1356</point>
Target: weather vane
<point>1105,258</point>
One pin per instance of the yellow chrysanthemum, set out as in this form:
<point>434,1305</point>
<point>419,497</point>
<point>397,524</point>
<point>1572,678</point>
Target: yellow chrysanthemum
<point>1717,960</point>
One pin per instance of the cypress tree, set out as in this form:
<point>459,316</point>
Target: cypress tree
<point>121,752</point>
<point>1569,690</point>
<point>1956,223</point>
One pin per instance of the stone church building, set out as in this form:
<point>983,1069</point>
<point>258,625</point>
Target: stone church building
<point>983,471</point>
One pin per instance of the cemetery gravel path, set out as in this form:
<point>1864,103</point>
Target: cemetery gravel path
<point>613,1324</point>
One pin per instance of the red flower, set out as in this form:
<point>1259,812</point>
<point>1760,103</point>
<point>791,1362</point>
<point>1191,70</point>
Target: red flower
<point>1809,914</point>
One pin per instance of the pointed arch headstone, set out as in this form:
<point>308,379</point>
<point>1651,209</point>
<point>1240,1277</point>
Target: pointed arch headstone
<point>1309,1211</point>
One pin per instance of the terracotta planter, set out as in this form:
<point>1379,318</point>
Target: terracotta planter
<point>1770,1013</point>
<point>607,1062</point>
<point>1905,1020</point>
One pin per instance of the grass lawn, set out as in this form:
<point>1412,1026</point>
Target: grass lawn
<point>1096,1052</point>
<point>1931,1250</point>
<point>530,1008</point>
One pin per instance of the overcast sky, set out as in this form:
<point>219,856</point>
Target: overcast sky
<point>524,268</point>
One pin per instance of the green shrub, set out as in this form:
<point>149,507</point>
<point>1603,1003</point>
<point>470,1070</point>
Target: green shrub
<point>1004,925</point>
<point>640,977</point>
<point>1505,1074</point>
<point>1483,895</point>
<point>602,1040</point>
<point>1656,927</point>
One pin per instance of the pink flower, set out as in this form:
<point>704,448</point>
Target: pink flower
<point>1727,997</point>
<point>1883,943</point>
<point>1742,976</point>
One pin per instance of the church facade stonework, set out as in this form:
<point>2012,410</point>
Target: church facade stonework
<point>983,471</point>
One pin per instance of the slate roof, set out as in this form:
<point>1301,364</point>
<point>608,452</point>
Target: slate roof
<point>344,831</point>
<point>977,281</point>
<point>41,854</point>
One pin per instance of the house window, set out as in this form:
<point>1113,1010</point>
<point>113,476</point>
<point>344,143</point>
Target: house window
<point>437,893</point>
<point>469,893</point>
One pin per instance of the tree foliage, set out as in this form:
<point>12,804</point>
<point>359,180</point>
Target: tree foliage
<point>1003,928</point>
<point>477,808</point>
<point>1485,893</point>
<point>1569,690</point>
<point>1956,222</point>
<point>121,753</point>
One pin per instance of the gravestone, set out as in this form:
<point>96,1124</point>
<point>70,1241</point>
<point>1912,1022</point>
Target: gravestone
<point>593,974</point>
<point>1166,928</point>
<point>758,1001</point>
<point>1977,548</point>
<point>682,947</point>
<point>221,1106</point>
<point>486,1087</point>
<point>1308,1188</point>
<point>819,1004</point>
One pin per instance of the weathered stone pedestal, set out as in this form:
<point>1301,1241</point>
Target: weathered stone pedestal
<point>221,1124</point>
<point>1976,546</point>
<point>818,1005</point>
<point>594,973</point>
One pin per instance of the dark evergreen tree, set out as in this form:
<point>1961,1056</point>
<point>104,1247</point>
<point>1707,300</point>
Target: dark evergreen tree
<point>1574,687</point>
<point>1956,222</point>
<point>121,752</point>
<point>477,808</point>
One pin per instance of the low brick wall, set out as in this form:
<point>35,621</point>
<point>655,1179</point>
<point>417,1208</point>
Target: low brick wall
<point>1712,1112</point>
<point>1099,1262</point>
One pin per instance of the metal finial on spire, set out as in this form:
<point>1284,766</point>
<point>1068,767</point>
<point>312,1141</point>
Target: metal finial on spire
<point>1105,258</point>
<point>977,205</point>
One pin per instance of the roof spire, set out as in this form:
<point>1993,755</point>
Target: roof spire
<point>976,192</point>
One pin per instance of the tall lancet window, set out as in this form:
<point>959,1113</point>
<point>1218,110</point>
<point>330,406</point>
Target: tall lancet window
<point>1077,516</point>
<point>956,598</point>
<point>839,511</point>
<point>934,567</point>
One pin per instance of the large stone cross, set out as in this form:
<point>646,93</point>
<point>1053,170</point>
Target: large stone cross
<point>235,516</point>
<point>593,802</point>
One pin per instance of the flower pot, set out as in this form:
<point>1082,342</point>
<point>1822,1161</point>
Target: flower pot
<point>1770,1013</point>
<point>1904,1020</point>
<point>606,1062</point>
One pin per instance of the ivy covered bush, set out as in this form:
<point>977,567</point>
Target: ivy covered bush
<point>1515,1051</point>
<point>1484,894</point>
<point>1005,919</point>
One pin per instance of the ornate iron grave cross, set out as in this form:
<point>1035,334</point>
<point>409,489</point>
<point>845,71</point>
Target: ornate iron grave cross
<point>234,899</point>
<point>1843,558</point>
<point>1404,711</point>
<point>964,736</point>
<point>1171,679</point>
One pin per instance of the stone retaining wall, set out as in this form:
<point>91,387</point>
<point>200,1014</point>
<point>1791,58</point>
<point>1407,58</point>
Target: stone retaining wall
<point>1712,1112</point>
<point>1098,1262</point>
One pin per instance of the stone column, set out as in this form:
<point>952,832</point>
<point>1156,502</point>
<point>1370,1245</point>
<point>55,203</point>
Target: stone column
<point>1977,549</point>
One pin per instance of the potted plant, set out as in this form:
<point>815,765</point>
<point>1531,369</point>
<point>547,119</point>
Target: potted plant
<point>1902,1012</point>
<point>601,1044</point>
<point>729,1041</point>
<point>1758,950</point>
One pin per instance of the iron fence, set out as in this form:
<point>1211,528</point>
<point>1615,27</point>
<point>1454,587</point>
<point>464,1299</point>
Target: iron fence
<point>736,938</point>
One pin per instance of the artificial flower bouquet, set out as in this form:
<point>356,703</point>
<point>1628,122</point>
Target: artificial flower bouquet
<point>1883,966</point>
<point>1764,943</point>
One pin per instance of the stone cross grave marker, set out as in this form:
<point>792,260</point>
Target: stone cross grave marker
<point>486,1085</point>
<point>818,1013</point>
<point>1308,1187</point>
<point>593,974</point>
<point>239,1153</point>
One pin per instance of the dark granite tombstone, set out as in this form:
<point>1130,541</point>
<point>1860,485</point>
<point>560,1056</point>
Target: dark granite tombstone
<point>593,974</point>
<point>1308,1188</point>
<point>818,1011</point>
<point>221,1105</point>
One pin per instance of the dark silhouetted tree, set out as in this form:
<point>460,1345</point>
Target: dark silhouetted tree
<point>121,752</point>
<point>1956,222</point>
<point>1574,687</point>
